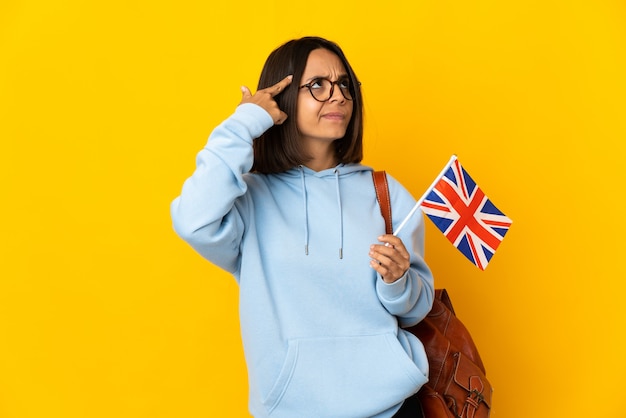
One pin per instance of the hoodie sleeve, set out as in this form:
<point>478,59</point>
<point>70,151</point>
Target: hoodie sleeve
<point>205,214</point>
<point>410,298</point>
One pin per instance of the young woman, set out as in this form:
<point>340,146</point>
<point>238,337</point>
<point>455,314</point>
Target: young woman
<point>280,200</point>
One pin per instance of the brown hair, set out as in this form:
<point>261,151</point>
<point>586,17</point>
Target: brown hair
<point>278,149</point>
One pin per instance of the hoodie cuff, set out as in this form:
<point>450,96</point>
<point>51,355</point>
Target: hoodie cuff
<point>257,119</point>
<point>392,291</point>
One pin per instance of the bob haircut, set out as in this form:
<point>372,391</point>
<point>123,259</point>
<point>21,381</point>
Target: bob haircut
<point>279,149</point>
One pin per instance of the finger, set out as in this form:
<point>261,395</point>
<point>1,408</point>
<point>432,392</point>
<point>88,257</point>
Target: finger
<point>281,119</point>
<point>385,272</point>
<point>245,92</point>
<point>390,251</point>
<point>381,255</point>
<point>280,86</point>
<point>380,269</point>
<point>392,240</point>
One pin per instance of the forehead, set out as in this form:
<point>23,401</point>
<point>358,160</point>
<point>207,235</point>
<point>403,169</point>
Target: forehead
<point>322,62</point>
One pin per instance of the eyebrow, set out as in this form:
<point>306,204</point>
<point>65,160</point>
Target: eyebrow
<point>316,77</point>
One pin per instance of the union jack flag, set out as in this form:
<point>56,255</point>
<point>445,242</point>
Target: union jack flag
<point>469,220</point>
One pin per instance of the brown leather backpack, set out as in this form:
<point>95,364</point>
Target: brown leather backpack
<point>457,386</point>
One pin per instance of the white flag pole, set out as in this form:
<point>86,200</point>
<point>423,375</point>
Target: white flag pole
<point>421,199</point>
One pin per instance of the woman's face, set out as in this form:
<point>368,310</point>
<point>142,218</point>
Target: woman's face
<point>323,121</point>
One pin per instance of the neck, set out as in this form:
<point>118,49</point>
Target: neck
<point>322,157</point>
<point>318,165</point>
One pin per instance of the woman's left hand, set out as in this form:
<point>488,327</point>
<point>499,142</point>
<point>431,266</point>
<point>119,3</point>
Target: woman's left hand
<point>391,259</point>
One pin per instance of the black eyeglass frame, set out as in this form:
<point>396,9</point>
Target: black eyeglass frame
<point>332,88</point>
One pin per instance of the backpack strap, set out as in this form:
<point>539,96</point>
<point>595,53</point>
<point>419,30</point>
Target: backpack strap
<point>382,195</point>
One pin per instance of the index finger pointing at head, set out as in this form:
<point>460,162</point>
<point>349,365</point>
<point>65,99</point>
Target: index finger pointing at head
<point>281,85</point>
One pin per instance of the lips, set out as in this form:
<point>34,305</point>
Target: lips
<point>334,116</point>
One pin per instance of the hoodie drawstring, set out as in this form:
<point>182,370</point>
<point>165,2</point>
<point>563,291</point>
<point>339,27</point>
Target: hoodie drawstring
<point>340,214</point>
<point>306,212</point>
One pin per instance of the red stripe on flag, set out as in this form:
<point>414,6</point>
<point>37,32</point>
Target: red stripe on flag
<point>496,223</point>
<point>474,252</point>
<point>459,176</point>
<point>442,208</point>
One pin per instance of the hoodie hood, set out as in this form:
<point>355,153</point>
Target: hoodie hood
<point>332,174</point>
<point>342,169</point>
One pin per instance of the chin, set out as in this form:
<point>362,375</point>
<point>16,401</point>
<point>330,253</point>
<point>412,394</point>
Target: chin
<point>337,134</point>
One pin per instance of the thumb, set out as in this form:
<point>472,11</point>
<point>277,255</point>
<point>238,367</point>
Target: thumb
<point>245,92</point>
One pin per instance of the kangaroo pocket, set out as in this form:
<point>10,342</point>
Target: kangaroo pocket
<point>355,376</point>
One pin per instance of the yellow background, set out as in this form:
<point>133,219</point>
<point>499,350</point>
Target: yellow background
<point>104,312</point>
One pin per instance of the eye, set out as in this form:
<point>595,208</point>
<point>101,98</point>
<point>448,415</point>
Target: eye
<point>344,83</point>
<point>318,83</point>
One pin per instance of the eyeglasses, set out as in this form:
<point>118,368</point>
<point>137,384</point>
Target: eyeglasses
<point>322,89</point>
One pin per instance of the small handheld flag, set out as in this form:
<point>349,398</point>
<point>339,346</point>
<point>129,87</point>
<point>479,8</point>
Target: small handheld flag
<point>460,209</point>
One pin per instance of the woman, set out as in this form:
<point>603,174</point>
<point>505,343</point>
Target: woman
<point>280,200</point>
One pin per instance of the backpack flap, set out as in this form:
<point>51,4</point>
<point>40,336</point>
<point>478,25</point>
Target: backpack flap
<point>473,382</point>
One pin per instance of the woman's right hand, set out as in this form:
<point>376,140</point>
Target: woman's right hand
<point>265,99</point>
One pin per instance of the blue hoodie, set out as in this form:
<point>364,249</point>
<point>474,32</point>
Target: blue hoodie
<point>320,328</point>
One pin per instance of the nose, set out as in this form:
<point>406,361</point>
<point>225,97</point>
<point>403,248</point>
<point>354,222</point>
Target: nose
<point>335,94</point>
